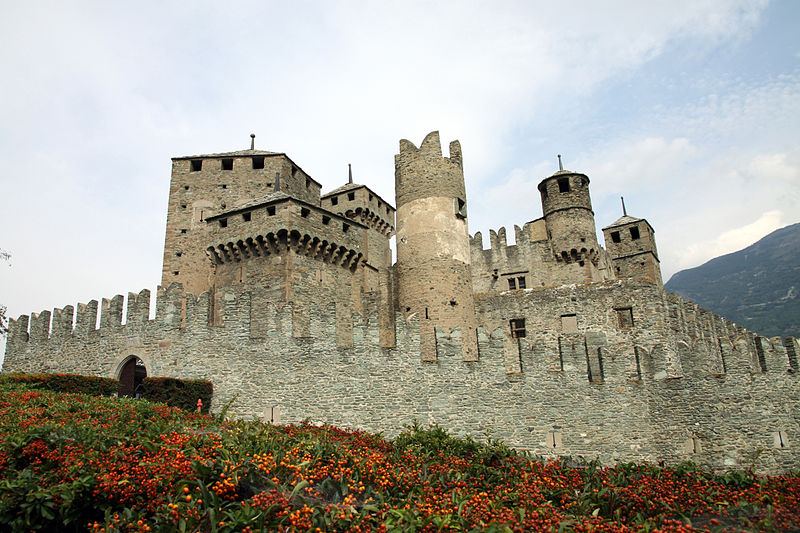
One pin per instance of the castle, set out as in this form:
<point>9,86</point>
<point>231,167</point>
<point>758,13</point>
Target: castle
<point>288,301</point>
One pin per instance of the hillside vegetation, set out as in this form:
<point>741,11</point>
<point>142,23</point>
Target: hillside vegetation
<point>757,287</point>
<point>70,462</point>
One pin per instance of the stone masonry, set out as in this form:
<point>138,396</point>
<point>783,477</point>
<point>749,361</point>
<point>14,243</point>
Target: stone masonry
<point>287,300</point>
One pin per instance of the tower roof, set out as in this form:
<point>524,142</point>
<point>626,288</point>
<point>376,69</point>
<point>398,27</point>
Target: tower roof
<point>625,220</point>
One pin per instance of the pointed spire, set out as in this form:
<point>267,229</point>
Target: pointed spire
<point>349,173</point>
<point>560,165</point>
<point>252,141</point>
<point>624,211</point>
<point>277,181</point>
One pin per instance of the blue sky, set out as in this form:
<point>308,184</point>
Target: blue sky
<point>691,110</point>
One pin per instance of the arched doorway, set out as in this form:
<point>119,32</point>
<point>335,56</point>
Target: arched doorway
<point>130,378</point>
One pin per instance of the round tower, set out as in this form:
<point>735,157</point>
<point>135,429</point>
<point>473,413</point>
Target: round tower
<point>567,209</point>
<point>433,253</point>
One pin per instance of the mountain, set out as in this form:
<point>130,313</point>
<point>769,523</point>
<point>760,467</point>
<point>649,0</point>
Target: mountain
<point>758,287</point>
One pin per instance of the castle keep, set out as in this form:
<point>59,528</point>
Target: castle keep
<point>288,301</point>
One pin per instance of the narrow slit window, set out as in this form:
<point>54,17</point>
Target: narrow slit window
<point>634,233</point>
<point>308,183</point>
<point>258,162</point>
<point>512,284</point>
<point>517,328</point>
<point>624,317</point>
<point>227,164</point>
<point>615,236</point>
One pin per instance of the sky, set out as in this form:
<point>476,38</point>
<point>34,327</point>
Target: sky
<point>688,109</point>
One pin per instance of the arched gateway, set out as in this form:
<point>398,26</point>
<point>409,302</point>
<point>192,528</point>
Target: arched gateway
<point>131,375</point>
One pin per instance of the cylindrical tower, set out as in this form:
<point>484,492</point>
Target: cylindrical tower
<point>567,209</point>
<point>433,254</point>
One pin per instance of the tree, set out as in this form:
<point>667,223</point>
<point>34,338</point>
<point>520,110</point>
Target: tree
<point>4,256</point>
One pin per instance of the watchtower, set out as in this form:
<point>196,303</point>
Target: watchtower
<point>568,215</point>
<point>631,243</point>
<point>433,254</point>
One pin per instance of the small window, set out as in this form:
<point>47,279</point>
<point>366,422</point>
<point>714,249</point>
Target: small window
<point>569,323</point>
<point>370,198</point>
<point>227,164</point>
<point>351,196</point>
<point>326,220</point>
<point>379,204</point>
<point>175,273</point>
<point>334,200</point>
<point>459,208</point>
<point>624,317</point>
<point>512,284</point>
<point>345,227</point>
<point>178,254</point>
<point>197,165</point>
<point>246,217</point>
<point>183,206</point>
<point>304,212</point>
<point>563,185</point>
<point>543,190</point>
<point>521,282</point>
<point>517,328</point>
<point>294,172</point>
<point>634,233</point>
<point>258,162</point>
<point>224,186</point>
<point>615,236</point>
<point>223,223</point>
<point>223,206</point>
<point>308,183</point>
<point>271,210</point>
<point>185,187</point>
<point>184,230</point>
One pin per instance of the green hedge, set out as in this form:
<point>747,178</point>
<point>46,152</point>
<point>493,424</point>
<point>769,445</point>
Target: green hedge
<point>91,385</point>
<point>181,393</point>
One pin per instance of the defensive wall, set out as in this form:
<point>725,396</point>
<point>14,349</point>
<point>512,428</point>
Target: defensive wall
<point>683,384</point>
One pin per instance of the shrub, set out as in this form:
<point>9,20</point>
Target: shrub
<point>92,385</point>
<point>181,393</point>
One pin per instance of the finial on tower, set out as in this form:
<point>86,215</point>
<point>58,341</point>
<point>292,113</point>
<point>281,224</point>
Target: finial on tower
<point>349,173</point>
<point>560,165</point>
<point>277,181</point>
<point>624,212</point>
<point>252,141</point>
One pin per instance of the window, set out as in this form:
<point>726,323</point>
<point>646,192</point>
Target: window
<point>635,233</point>
<point>563,185</point>
<point>351,196</point>
<point>345,227</point>
<point>624,317</point>
<point>175,273</point>
<point>512,284</point>
<point>185,187</point>
<point>308,183</point>
<point>615,236</point>
<point>184,230</point>
<point>569,323</point>
<point>326,220</point>
<point>543,190</point>
<point>197,165</point>
<point>223,223</point>
<point>258,162</point>
<point>334,200</point>
<point>459,208</point>
<point>521,282</point>
<point>517,328</point>
<point>304,212</point>
<point>183,206</point>
<point>271,210</point>
<point>224,186</point>
<point>370,197</point>
<point>178,254</point>
<point>246,217</point>
<point>227,164</point>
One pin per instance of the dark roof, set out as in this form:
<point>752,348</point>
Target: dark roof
<point>263,200</point>
<point>353,186</point>
<point>626,219</point>
<point>238,153</point>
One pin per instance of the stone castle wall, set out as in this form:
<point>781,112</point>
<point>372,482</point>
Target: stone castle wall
<point>683,384</point>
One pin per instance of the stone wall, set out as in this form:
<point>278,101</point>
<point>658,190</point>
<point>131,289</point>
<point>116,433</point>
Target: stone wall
<point>682,385</point>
